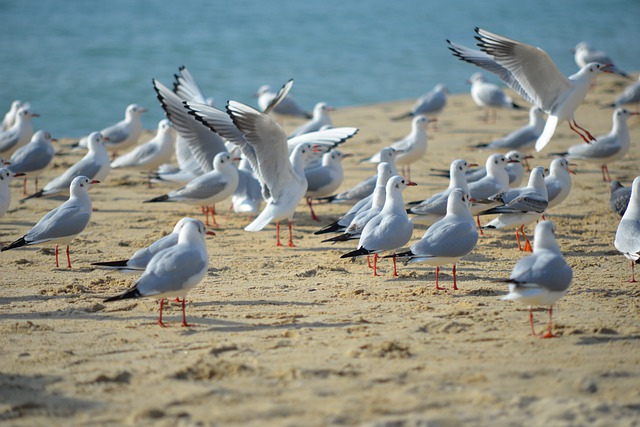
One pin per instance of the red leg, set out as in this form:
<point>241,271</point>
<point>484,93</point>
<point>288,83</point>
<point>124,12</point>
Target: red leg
<point>212,209</point>
<point>633,273</point>
<point>605,173</point>
<point>162,325</point>
<point>479,226</point>
<point>375,265</point>
<point>549,333</point>
<point>591,137</point>
<point>57,264</point>
<point>184,317</point>
<point>437,277</point>
<point>278,243</point>
<point>518,240</point>
<point>291,245</point>
<point>68,258</point>
<point>455,283</point>
<point>584,138</point>
<point>369,261</point>
<point>533,330</point>
<point>313,214</point>
<point>205,211</point>
<point>527,245</point>
<point>395,271</point>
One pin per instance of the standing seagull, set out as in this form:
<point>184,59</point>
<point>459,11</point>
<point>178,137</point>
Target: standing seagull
<point>173,271</point>
<point>608,148</point>
<point>489,96</point>
<point>558,182</point>
<point>319,120</point>
<point>6,176</point>
<point>627,239</point>
<point>541,278</point>
<point>287,107</point>
<point>448,239</point>
<point>523,138</point>
<point>64,223</point>
<point>94,165</point>
<point>530,71</point>
<point>208,189</point>
<point>585,54</point>
<point>411,148</point>
<point>620,196</point>
<point>324,179</point>
<point>495,181</point>
<point>123,134</point>
<point>10,117</point>
<point>34,158</point>
<point>19,134</point>
<point>390,229</point>
<point>432,102</point>
<point>631,95</point>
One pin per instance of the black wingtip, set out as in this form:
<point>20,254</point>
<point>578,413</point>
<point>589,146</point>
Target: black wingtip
<point>17,244</point>
<point>516,106</point>
<point>131,293</point>
<point>162,198</point>
<point>341,238</point>
<point>34,195</point>
<point>483,145</point>
<point>563,154</point>
<point>402,116</point>
<point>357,252</point>
<point>120,263</point>
<point>331,228</point>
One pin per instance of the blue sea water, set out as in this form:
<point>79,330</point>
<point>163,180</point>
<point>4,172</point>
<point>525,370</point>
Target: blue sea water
<point>81,62</point>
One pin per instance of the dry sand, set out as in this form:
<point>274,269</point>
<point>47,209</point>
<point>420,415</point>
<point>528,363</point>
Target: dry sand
<point>299,337</point>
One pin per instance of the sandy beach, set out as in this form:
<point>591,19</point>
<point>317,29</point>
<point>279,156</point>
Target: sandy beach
<point>300,337</point>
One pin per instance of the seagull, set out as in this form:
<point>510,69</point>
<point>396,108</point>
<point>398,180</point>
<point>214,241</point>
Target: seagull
<point>208,189</point>
<point>496,181</point>
<point>94,165</point>
<point>434,208</point>
<point>138,262</point>
<point>608,148</point>
<point>520,206</point>
<point>523,138</point>
<point>627,239</point>
<point>489,96</point>
<point>6,175</point>
<point>287,107</point>
<point>448,239</point>
<point>63,223</point>
<point>390,229</point>
<point>33,158</point>
<point>558,182</point>
<point>411,148</point>
<point>363,205</point>
<point>19,134</point>
<point>530,71</point>
<point>584,54</point>
<point>432,102</point>
<point>514,168</point>
<point>365,187</point>
<point>123,134</point>
<point>324,179</point>
<point>173,271</point>
<point>248,196</point>
<point>264,143</point>
<point>620,196</point>
<point>151,154</point>
<point>630,95</point>
<point>10,117</point>
<point>320,119</point>
<point>541,278</point>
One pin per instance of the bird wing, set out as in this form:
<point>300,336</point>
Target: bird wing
<point>170,270</point>
<point>67,219</point>
<point>328,137</point>
<point>186,86</point>
<point>202,187</point>
<point>31,158</point>
<point>545,268</point>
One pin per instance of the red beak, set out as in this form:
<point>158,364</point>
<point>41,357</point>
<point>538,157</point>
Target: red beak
<point>210,233</point>
<point>411,184</point>
<point>19,174</point>
<point>95,181</point>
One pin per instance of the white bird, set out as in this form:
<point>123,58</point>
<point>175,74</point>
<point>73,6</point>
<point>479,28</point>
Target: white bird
<point>264,143</point>
<point>627,240</point>
<point>94,165</point>
<point>248,196</point>
<point>434,207</point>
<point>140,259</point>
<point>123,134</point>
<point>324,179</point>
<point>619,198</point>
<point>173,271</point>
<point>558,182</point>
<point>10,116</point>
<point>496,181</point>
<point>541,278</point>
<point>411,148</point>
<point>365,188</point>
<point>522,139</point>
<point>64,223</point>
<point>208,189</point>
<point>530,71</point>
<point>390,229</point>
<point>489,96</point>
<point>287,107</point>
<point>363,205</point>
<point>520,206</point>
<point>608,148</point>
<point>319,120</point>
<point>19,134</point>
<point>630,95</point>
<point>431,103</point>
<point>151,154</point>
<point>515,169</point>
<point>6,175</point>
<point>448,239</point>
<point>34,158</point>
<point>585,54</point>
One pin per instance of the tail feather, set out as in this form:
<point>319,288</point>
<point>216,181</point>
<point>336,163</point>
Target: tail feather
<point>34,195</point>
<point>162,198</point>
<point>120,263</point>
<point>17,244</point>
<point>261,220</point>
<point>131,293</point>
<point>400,255</point>
<point>516,106</point>
<point>483,145</point>
<point>334,227</point>
<point>327,199</point>
<point>403,116</point>
<point>547,133</point>
<point>342,238</point>
<point>358,252</point>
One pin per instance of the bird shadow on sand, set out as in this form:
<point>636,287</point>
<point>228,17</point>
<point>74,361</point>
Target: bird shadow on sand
<point>606,339</point>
